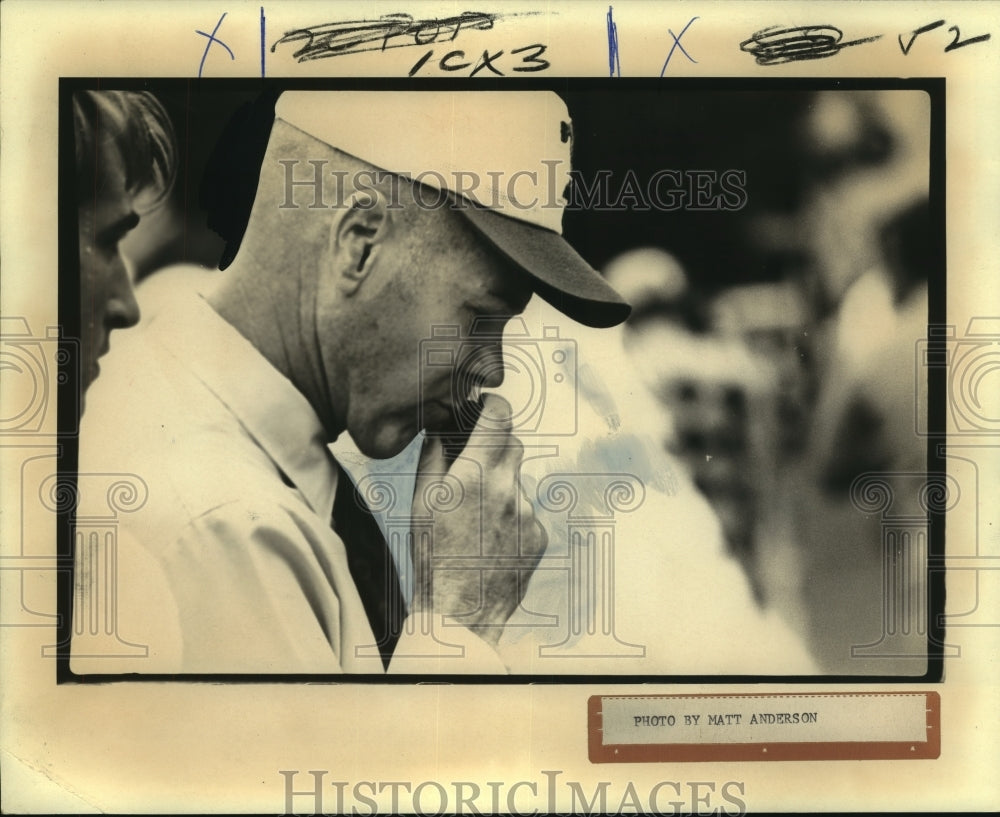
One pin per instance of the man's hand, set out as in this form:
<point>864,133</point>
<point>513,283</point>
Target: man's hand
<point>485,546</point>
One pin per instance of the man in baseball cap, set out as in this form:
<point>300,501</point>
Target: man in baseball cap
<point>380,220</point>
<point>501,159</point>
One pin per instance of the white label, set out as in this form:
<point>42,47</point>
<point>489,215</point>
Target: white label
<point>851,718</point>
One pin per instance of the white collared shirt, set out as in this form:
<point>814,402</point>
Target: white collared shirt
<point>230,565</point>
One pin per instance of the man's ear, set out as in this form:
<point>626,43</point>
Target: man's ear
<point>357,237</point>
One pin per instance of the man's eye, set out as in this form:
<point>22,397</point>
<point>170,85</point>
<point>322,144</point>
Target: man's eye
<point>114,233</point>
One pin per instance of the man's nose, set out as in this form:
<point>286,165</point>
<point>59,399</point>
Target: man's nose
<point>123,309</point>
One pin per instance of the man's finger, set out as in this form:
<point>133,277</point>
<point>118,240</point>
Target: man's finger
<point>492,431</point>
<point>491,444</point>
<point>495,417</point>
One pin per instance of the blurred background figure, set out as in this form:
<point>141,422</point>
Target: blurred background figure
<point>665,319</point>
<point>180,246</point>
<point>716,384</point>
<point>867,227</point>
<point>871,400</point>
<point>779,391</point>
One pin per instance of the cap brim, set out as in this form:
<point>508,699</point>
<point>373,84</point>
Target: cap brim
<point>560,275</point>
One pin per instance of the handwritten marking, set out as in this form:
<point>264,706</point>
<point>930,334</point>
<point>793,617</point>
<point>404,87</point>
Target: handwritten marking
<point>446,64</point>
<point>916,33</point>
<point>358,36</point>
<point>530,62</point>
<point>956,44</point>
<point>614,62</point>
<point>677,44</point>
<point>263,49</point>
<point>486,61</point>
<point>420,63</point>
<point>774,46</point>
<point>213,39</point>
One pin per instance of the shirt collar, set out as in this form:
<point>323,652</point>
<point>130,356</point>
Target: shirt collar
<point>272,410</point>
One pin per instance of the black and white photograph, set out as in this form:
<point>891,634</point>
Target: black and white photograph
<point>500,408</point>
<point>521,382</point>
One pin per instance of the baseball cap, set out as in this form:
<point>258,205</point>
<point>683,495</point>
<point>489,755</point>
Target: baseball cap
<point>499,158</point>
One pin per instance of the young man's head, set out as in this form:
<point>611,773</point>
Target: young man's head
<point>126,159</point>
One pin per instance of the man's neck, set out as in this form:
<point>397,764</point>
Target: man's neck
<point>262,311</point>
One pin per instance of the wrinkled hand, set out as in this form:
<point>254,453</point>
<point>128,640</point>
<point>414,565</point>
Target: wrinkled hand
<point>484,547</point>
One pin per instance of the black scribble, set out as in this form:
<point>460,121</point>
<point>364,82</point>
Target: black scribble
<point>774,46</point>
<point>905,48</point>
<point>957,43</point>
<point>357,36</point>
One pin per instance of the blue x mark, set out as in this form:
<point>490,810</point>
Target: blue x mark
<point>213,39</point>
<point>677,44</point>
